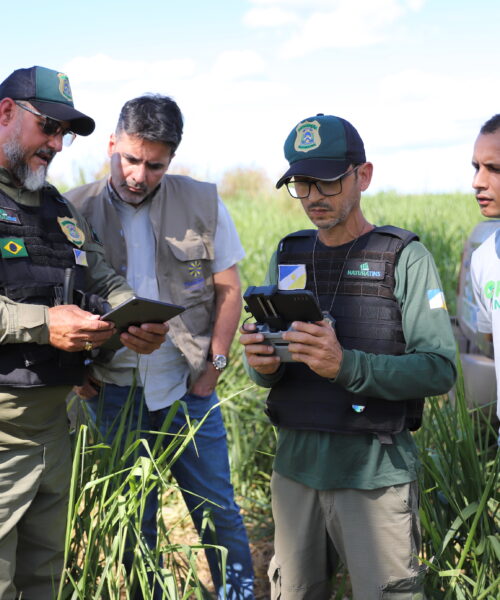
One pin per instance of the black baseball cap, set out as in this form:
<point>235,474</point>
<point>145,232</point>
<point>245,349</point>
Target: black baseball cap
<point>322,147</point>
<point>50,93</point>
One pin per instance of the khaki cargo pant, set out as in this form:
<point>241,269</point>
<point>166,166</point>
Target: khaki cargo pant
<point>34,484</point>
<point>375,533</point>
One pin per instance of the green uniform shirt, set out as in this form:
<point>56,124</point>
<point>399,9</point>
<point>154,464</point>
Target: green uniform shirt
<point>33,415</point>
<point>331,460</point>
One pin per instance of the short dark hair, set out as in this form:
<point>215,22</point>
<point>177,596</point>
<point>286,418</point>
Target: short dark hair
<point>491,125</point>
<point>152,117</point>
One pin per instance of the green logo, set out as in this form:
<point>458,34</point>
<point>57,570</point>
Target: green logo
<point>363,271</point>
<point>492,288</point>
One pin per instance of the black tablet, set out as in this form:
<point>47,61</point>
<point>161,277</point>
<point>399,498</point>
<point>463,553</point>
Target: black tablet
<point>136,311</point>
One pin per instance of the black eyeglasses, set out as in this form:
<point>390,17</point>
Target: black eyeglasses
<point>302,189</point>
<point>51,126</point>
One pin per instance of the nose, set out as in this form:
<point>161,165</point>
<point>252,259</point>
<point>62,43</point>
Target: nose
<point>139,173</point>
<point>480,179</point>
<point>314,193</point>
<point>55,142</point>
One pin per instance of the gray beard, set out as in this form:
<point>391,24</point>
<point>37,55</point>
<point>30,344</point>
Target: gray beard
<point>29,179</point>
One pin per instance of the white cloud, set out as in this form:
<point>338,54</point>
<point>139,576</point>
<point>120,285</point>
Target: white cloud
<point>269,17</point>
<point>329,23</point>
<point>234,64</point>
<point>349,25</point>
<point>104,69</point>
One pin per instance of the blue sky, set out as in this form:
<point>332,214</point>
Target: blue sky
<point>416,77</point>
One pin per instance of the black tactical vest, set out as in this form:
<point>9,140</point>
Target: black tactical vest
<point>359,278</point>
<point>35,254</point>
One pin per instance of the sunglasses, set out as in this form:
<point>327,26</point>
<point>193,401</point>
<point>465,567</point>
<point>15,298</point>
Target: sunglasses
<point>50,126</point>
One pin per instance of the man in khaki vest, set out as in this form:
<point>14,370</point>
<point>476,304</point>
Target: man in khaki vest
<point>173,240</point>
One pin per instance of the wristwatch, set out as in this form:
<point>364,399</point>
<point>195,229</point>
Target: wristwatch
<point>219,361</point>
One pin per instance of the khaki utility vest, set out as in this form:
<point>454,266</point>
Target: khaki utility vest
<point>184,219</point>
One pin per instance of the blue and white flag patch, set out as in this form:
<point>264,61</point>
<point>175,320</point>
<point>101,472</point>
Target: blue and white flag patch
<point>80,257</point>
<point>436,299</point>
<point>291,277</point>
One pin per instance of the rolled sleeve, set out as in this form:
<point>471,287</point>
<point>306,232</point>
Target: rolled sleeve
<point>23,322</point>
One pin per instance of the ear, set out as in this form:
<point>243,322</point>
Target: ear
<point>111,145</point>
<point>365,172</point>
<point>7,111</point>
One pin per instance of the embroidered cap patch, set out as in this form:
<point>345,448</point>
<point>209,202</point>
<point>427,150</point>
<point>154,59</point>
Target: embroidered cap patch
<point>308,137</point>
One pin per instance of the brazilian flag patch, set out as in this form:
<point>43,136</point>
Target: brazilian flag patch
<point>12,247</point>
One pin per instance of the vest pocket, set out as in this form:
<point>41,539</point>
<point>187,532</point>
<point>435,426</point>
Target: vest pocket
<point>192,273</point>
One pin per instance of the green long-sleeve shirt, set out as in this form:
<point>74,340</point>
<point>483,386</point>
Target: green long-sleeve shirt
<point>330,460</point>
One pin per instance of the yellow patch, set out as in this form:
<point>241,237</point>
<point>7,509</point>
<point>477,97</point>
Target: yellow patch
<point>71,230</point>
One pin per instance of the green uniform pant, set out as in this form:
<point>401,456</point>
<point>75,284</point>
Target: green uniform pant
<point>375,533</point>
<point>34,484</point>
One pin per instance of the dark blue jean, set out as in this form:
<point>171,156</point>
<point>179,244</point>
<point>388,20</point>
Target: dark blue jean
<point>201,472</point>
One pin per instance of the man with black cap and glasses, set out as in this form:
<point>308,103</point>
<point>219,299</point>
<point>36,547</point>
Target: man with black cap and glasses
<point>344,475</point>
<point>44,246</point>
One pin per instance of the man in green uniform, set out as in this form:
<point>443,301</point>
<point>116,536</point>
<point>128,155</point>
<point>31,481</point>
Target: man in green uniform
<point>344,476</point>
<point>44,247</point>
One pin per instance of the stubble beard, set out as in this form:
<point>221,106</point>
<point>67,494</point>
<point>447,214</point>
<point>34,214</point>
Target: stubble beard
<point>333,222</point>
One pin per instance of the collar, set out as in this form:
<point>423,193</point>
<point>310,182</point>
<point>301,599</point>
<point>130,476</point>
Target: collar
<point>6,177</point>
<point>18,194</point>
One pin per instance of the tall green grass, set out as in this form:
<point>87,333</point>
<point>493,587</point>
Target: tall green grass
<point>110,482</point>
<point>460,487</point>
<point>460,511</point>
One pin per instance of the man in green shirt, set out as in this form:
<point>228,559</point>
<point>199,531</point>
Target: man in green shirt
<point>344,476</point>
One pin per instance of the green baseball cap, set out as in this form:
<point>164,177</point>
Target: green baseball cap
<point>322,147</point>
<point>50,93</point>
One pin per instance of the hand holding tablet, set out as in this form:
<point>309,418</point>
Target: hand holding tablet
<point>136,311</point>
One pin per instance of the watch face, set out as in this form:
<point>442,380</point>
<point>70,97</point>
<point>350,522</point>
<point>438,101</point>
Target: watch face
<point>220,362</point>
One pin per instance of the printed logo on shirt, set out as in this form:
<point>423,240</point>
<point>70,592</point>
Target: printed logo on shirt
<point>197,281</point>
<point>373,270</point>
<point>80,257</point>
<point>436,299</point>
<point>492,292</point>
<point>71,230</point>
<point>7,215</point>
<point>12,248</point>
<point>292,277</point>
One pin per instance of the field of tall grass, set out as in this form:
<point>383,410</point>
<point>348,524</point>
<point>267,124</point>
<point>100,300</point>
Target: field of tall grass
<point>460,466</point>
